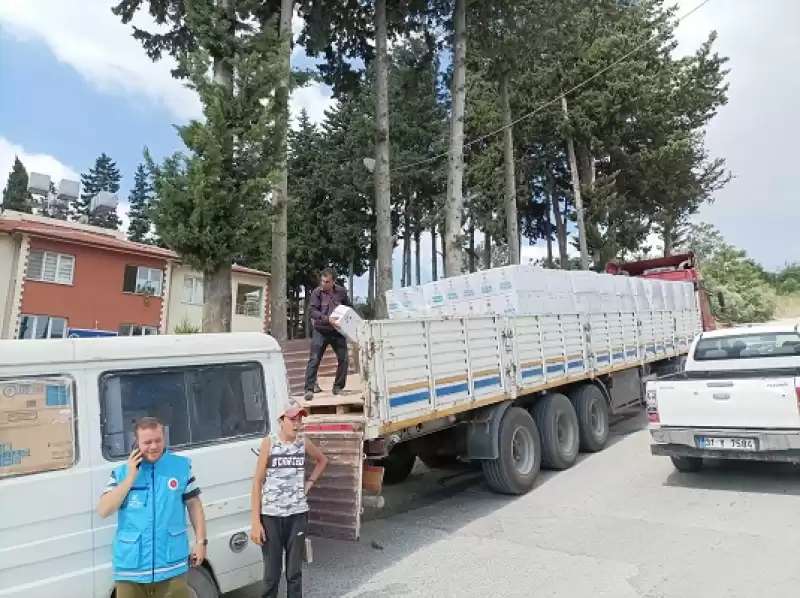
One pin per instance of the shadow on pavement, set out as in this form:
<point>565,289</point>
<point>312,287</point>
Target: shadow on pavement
<point>741,476</point>
<point>429,506</point>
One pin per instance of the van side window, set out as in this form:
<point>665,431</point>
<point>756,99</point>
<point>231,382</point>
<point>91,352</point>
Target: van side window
<point>199,404</point>
<point>37,425</point>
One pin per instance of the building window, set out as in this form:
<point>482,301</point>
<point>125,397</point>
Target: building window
<point>249,300</point>
<point>193,290</point>
<point>136,330</point>
<point>199,404</point>
<point>46,438</point>
<point>42,327</point>
<point>143,280</point>
<point>46,266</point>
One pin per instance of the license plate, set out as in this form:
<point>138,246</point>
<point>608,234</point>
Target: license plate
<point>730,444</point>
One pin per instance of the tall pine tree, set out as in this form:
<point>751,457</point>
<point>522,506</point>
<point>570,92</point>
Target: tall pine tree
<point>139,212</point>
<point>103,176</point>
<point>16,195</point>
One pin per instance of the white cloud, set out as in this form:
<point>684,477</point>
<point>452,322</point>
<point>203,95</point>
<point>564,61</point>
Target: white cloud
<point>85,35</point>
<point>42,163</point>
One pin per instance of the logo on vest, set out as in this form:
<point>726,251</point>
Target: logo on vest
<point>135,502</point>
<point>173,484</point>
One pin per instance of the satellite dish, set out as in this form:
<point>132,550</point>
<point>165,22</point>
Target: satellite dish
<point>83,219</point>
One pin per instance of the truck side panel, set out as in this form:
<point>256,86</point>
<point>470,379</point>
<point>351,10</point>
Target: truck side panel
<point>419,370</point>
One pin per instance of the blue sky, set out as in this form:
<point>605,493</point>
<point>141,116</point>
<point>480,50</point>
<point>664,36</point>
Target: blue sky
<point>75,84</point>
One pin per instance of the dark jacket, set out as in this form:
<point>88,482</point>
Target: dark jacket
<point>322,304</point>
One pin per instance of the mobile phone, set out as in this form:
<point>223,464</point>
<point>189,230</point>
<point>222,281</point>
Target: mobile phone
<point>135,447</point>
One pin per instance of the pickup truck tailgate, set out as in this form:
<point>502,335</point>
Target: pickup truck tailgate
<point>758,402</point>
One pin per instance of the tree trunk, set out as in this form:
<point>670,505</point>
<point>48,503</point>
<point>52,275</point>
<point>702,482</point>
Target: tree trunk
<point>418,255</point>
<point>472,267</point>
<point>559,218</point>
<point>383,200</point>
<point>443,239</point>
<point>487,250</point>
<point>510,203</point>
<point>371,278</point>
<point>351,278</point>
<point>668,238</point>
<point>217,283</point>
<point>549,222</point>
<point>576,190</point>
<point>455,197</point>
<point>217,308</point>
<point>306,312</point>
<point>406,276</point>
<point>434,256</point>
<point>280,192</point>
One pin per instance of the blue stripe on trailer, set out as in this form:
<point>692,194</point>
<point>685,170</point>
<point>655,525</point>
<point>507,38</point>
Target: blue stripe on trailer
<point>602,358</point>
<point>577,363</point>
<point>632,352</point>
<point>410,398</point>
<point>619,355</point>
<point>486,382</point>
<point>452,389</point>
<point>555,367</point>
<point>531,372</point>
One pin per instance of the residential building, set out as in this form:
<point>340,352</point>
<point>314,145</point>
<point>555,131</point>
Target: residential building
<point>58,278</point>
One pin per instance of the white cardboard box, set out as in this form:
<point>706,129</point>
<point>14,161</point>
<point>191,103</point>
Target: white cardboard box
<point>347,321</point>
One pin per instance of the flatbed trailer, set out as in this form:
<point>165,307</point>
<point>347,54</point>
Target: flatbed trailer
<point>513,393</point>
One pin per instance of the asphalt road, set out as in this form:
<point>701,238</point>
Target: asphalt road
<point>619,524</point>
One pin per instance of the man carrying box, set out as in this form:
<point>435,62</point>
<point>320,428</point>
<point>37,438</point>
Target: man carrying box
<point>324,300</point>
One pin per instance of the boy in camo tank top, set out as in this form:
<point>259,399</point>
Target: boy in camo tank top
<point>278,503</point>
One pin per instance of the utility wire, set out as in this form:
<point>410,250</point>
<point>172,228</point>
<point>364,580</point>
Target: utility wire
<point>541,107</point>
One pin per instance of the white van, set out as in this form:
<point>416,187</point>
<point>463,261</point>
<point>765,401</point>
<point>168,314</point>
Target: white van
<point>218,395</point>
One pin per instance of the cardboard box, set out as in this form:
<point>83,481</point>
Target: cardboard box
<point>38,448</point>
<point>347,321</point>
<point>27,402</point>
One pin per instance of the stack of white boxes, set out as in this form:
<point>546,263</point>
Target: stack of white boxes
<point>531,290</point>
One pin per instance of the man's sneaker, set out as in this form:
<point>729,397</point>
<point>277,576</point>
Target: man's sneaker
<point>317,389</point>
<point>309,396</point>
<point>337,391</point>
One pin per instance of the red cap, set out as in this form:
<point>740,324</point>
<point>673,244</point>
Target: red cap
<point>294,412</point>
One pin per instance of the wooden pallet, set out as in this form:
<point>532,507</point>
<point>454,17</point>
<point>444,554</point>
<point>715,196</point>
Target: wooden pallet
<point>326,403</point>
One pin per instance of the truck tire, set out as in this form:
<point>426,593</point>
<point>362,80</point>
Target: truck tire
<point>558,425</point>
<point>520,454</point>
<point>201,583</point>
<point>397,465</point>
<point>592,411</point>
<point>687,464</point>
<point>441,461</point>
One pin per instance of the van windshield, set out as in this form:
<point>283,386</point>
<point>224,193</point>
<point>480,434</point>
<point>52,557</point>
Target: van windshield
<point>748,346</point>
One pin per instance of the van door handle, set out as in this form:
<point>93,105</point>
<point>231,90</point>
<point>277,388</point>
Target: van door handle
<point>725,384</point>
<point>721,396</point>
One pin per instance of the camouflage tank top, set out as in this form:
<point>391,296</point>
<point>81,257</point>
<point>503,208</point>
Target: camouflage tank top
<point>284,492</point>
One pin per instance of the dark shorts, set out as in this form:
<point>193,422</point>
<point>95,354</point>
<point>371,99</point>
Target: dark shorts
<point>170,588</point>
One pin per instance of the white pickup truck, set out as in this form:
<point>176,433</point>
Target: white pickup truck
<point>737,398</point>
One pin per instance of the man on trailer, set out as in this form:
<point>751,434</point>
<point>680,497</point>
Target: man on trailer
<point>324,299</point>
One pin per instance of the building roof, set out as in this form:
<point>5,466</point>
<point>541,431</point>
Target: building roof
<point>84,234</point>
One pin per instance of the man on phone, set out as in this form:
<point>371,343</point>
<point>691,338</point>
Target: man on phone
<point>151,494</point>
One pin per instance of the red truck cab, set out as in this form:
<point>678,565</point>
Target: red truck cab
<point>680,267</point>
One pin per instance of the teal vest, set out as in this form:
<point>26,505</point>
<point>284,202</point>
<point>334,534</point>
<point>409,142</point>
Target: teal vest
<point>152,543</point>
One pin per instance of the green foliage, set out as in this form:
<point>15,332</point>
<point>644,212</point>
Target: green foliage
<point>15,194</point>
<point>103,176</point>
<point>139,199</point>
<point>735,284</point>
<point>212,203</point>
<point>186,327</point>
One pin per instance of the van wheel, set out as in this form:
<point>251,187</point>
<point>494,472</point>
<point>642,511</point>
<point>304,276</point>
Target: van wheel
<point>201,584</point>
<point>687,464</point>
<point>558,426</point>
<point>397,465</point>
<point>592,411</point>
<point>520,454</point>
